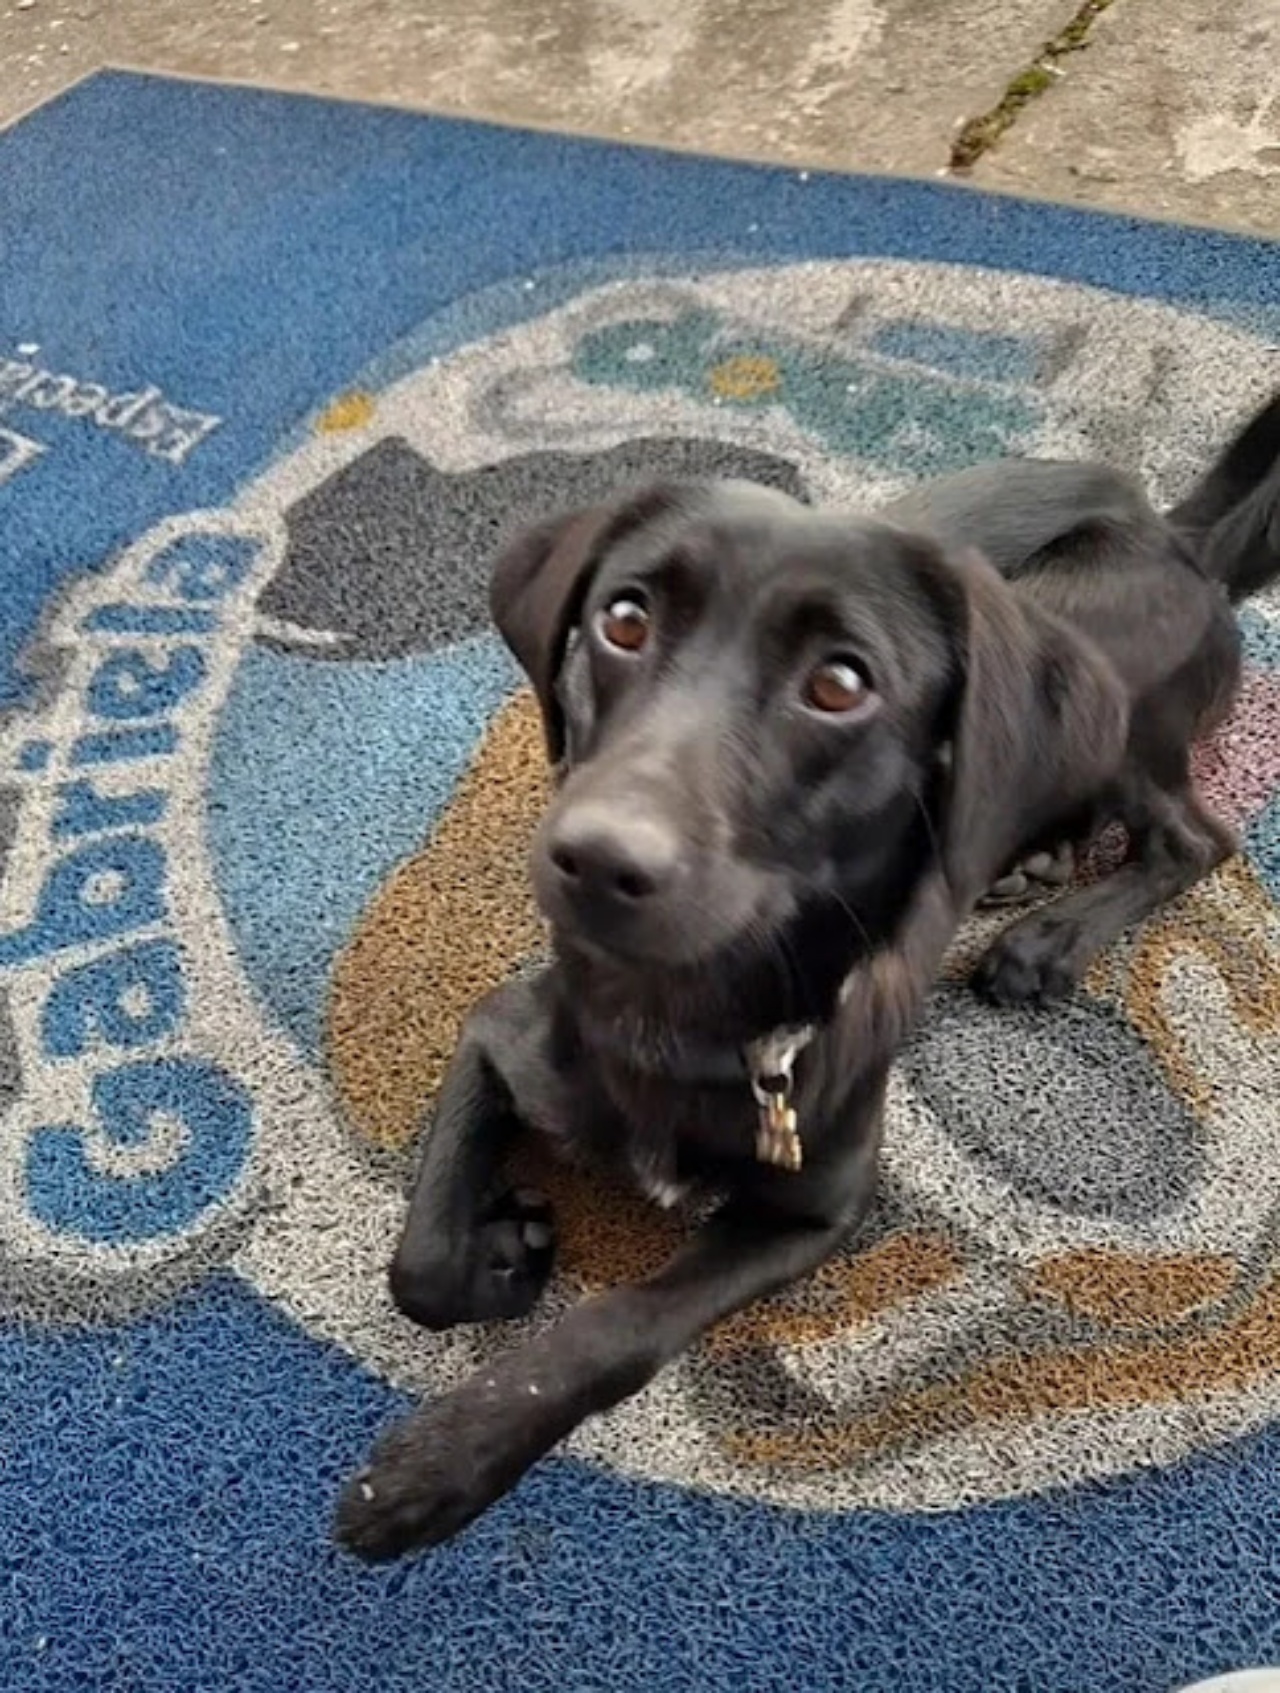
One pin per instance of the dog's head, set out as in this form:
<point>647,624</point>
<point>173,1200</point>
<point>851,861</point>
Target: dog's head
<point>769,718</point>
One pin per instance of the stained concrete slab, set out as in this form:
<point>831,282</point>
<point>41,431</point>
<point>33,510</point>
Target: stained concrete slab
<point>1173,110</point>
<point>863,84</point>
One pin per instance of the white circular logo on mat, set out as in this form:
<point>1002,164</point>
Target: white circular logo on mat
<point>994,1333</point>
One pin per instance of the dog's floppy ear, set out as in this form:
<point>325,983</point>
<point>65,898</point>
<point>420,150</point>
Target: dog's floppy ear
<point>535,596</point>
<point>540,581</point>
<point>1040,724</point>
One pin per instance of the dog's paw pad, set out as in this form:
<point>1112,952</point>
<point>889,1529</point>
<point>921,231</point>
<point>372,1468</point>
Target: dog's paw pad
<point>519,1240</point>
<point>491,1273</point>
<point>1037,874</point>
<point>432,1474</point>
<point>382,1516</point>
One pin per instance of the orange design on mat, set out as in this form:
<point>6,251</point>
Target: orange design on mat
<point>842,1294</point>
<point>1021,1388</point>
<point>452,923</point>
<point>606,1234</point>
<point>1133,1290</point>
<point>1222,933</point>
<point>349,411</point>
<point>746,376</point>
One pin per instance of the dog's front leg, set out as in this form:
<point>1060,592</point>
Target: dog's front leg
<point>473,1249</point>
<point>443,1466</point>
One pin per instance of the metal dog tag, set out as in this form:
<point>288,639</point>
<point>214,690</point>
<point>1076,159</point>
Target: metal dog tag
<point>778,1134</point>
<point>771,1066</point>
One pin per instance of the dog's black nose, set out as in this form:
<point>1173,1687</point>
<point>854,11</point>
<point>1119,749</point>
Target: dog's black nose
<point>603,856</point>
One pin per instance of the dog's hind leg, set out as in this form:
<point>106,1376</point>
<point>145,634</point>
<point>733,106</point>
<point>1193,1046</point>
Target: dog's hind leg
<point>1173,842</point>
<point>1043,871</point>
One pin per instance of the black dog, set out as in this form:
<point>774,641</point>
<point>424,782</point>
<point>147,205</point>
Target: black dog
<point>796,748</point>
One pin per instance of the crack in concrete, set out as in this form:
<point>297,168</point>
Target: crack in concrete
<point>979,134</point>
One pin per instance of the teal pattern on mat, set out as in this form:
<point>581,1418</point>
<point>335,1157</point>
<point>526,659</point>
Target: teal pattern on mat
<point>906,416</point>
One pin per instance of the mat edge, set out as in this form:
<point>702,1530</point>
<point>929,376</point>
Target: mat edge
<point>59,94</point>
<point>943,178</point>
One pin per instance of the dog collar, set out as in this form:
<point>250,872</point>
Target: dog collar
<point>767,1065</point>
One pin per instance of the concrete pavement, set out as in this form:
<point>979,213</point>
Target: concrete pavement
<point>1169,107</point>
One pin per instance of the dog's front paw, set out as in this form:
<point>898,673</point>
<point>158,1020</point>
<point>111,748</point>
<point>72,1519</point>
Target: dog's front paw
<point>495,1275</point>
<point>434,1473</point>
<point>395,1506</point>
<point>1033,963</point>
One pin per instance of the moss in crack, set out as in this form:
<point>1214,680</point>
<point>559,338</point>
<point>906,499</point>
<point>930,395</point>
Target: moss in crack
<point>980,134</point>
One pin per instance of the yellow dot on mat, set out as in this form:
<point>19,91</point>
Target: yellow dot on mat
<point>745,377</point>
<point>348,411</point>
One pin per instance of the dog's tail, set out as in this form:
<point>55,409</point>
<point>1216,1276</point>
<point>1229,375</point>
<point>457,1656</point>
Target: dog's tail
<point>1232,515</point>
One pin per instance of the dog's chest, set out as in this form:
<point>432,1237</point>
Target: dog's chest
<point>678,1139</point>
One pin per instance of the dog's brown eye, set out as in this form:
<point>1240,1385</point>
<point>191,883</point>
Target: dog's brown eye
<point>624,623</point>
<point>836,686</point>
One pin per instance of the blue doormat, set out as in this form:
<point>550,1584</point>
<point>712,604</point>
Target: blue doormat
<point>274,374</point>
